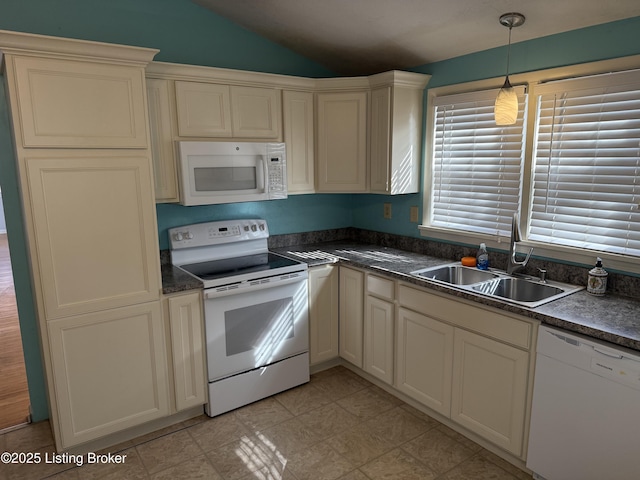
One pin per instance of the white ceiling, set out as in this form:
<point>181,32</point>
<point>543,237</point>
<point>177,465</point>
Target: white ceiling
<point>362,37</point>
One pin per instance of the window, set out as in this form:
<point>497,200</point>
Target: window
<point>476,165</point>
<point>570,167</point>
<point>586,180</point>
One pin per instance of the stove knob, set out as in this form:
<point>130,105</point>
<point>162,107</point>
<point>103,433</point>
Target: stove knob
<point>254,228</point>
<point>189,235</point>
<point>261,226</point>
<point>178,237</point>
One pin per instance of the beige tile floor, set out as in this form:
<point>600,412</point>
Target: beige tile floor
<point>338,426</point>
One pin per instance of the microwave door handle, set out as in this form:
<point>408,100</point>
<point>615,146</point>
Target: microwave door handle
<point>261,169</point>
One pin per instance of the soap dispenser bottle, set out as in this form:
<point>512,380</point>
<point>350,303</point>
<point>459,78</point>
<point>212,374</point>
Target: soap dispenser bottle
<point>482,258</point>
<point>597,282</point>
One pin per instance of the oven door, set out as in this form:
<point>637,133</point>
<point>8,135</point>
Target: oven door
<point>256,325</point>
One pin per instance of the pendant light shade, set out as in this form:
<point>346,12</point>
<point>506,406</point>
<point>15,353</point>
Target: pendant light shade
<point>506,106</point>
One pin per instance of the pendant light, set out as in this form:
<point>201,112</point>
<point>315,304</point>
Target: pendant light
<point>506,106</point>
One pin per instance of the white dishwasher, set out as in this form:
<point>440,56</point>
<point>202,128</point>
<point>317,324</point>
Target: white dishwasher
<point>585,418</point>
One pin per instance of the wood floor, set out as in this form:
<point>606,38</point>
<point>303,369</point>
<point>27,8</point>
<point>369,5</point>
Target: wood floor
<point>14,396</point>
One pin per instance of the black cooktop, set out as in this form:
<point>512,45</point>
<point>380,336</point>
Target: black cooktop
<point>249,264</point>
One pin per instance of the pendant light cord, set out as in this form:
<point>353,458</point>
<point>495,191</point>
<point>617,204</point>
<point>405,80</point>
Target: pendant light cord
<point>507,83</point>
<point>509,51</point>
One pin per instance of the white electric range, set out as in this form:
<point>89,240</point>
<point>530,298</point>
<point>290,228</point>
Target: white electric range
<point>255,310</point>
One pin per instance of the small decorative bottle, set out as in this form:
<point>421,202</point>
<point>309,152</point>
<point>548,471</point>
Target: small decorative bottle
<point>597,282</point>
<point>482,258</point>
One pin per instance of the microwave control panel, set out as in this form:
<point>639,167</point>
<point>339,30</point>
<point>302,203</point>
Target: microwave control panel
<point>277,176</point>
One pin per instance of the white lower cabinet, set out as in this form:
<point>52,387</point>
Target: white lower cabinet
<point>489,390</point>
<point>351,315</point>
<point>378,338</point>
<point>110,371</point>
<point>323,313</point>
<point>379,327</point>
<point>186,329</point>
<point>425,360</point>
<point>469,364</point>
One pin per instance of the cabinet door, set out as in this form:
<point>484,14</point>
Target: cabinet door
<point>109,370</point>
<point>256,112</point>
<point>424,357</point>
<point>204,109</point>
<point>298,136</point>
<point>380,154</point>
<point>378,338</point>
<point>94,235</point>
<point>342,142</point>
<point>187,347</point>
<point>162,145</point>
<point>73,104</point>
<point>351,315</point>
<point>489,389</point>
<point>323,313</point>
<point>396,140</point>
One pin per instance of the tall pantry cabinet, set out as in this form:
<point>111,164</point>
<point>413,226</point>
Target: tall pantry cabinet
<point>78,112</point>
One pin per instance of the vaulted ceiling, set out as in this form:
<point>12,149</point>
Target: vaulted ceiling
<point>360,37</point>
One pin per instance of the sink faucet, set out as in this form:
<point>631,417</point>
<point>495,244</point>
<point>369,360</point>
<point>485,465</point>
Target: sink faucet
<point>513,264</point>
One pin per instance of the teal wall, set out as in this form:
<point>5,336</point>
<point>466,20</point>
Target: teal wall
<point>183,32</point>
<point>296,214</point>
<point>187,33</point>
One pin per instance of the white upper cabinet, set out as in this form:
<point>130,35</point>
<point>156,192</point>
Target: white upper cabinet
<point>298,119</point>
<point>342,142</point>
<point>159,93</point>
<point>256,112</point>
<point>395,138</point>
<point>79,104</point>
<point>204,109</point>
<point>214,110</point>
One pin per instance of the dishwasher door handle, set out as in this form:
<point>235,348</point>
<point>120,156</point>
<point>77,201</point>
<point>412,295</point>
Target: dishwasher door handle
<point>608,354</point>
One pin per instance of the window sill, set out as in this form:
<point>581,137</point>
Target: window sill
<point>569,255</point>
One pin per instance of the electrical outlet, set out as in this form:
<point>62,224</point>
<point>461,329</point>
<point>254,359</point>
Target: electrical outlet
<point>387,210</point>
<point>413,214</point>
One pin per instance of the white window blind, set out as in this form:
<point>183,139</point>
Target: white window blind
<point>586,182</point>
<point>476,165</point>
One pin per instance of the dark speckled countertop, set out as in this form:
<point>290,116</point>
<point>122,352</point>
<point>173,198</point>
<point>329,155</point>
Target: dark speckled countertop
<point>175,280</point>
<point>611,318</point>
<point>614,319</point>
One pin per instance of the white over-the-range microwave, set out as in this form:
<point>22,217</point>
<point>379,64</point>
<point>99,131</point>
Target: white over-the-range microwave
<point>229,172</point>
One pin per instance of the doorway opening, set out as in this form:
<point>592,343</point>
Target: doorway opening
<point>14,393</point>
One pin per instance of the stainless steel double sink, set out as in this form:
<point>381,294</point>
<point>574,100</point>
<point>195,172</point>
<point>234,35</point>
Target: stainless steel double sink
<point>521,290</point>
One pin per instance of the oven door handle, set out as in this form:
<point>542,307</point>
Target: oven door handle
<point>253,285</point>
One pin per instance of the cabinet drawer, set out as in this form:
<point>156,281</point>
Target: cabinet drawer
<point>380,287</point>
<point>486,322</point>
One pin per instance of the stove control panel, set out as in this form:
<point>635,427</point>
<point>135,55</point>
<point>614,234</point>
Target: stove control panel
<point>217,233</point>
